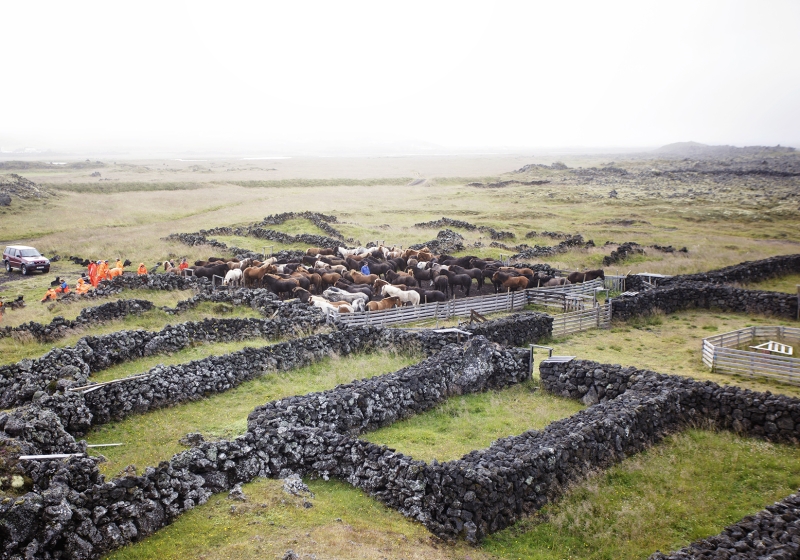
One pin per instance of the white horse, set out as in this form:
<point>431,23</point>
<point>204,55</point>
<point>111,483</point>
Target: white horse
<point>404,296</point>
<point>330,306</point>
<point>233,278</point>
<point>335,294</point>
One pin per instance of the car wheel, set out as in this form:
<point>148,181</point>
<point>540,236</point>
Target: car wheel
<point>24,270</point>
<point>8,267</point>
<point>46,270</point>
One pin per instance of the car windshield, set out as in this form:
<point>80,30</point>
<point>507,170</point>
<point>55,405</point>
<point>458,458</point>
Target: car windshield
<point>29,253</point>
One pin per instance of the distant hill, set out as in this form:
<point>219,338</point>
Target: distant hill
<point>696,149</point>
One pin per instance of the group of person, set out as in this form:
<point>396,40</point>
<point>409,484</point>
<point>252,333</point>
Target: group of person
<point>96,272</point>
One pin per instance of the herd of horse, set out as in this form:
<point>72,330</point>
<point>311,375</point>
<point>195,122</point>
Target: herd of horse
<point>332,279</point>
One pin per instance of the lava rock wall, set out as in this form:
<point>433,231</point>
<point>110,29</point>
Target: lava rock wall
<point>678,296</point>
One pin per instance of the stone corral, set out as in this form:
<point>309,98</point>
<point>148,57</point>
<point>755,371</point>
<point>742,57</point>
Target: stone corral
<point>772,417</point>
<point>257,230</point>
<point>678,296</point>
<point>73,513</point>
<point>73,365</point>
<point>482,492</point>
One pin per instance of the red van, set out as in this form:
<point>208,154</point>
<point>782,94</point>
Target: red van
<point>26,259</point>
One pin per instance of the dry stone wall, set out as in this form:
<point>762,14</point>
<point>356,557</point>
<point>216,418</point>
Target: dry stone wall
<point>59,327</point>
<point>72,365</point>
<point>746,272</point>
<point>482,492</point>
<point>678,296</point>
<point>73,513</point>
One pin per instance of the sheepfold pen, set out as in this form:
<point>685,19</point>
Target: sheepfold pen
<point>756,352</point>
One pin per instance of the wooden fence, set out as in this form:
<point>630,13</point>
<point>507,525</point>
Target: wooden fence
<point>721,358</point>
<point>562,296</point>
<point>596,318</point>
<point>494,303</point>
<point>614,283</point>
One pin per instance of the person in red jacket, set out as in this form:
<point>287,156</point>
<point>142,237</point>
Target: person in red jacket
<point>184,265</point>
<point>93,273</point>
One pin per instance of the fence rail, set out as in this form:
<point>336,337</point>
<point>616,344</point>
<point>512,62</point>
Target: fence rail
<point>718,355</point>
<point>614,283</point>
<point>493,303</point>
<point>596,318</point>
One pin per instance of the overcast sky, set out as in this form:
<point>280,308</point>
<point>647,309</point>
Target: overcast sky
<point>247,76</point>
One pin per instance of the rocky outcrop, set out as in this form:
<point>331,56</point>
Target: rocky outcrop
<point>17,185</point>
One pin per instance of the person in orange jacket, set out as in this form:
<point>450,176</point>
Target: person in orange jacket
<point>83,286</point>
<point>50,295</point>
<point>102,271</point>
<point>93,272</point>
<point>119,263</point>
<point>184,265</point>
<point>142,269</point>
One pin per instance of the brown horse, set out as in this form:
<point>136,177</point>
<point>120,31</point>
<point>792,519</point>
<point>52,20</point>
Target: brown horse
<point>253,275</point>
<point>580,277</point>
<point>314,251</point>
<point>385,303</point>
<point>504,281</point>
<point>329,279</point>
<point>359,278</point>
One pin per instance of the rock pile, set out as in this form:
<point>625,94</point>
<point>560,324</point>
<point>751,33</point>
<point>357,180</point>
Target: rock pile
<point>19,186</point>
<point>322,221</point>
<point>622,252</point>
<point>447,222</point>
<point>537,251</point>
<point>447,241</point>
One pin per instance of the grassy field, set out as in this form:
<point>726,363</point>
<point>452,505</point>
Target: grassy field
<point>689,486</point>
<point>469,422</point>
